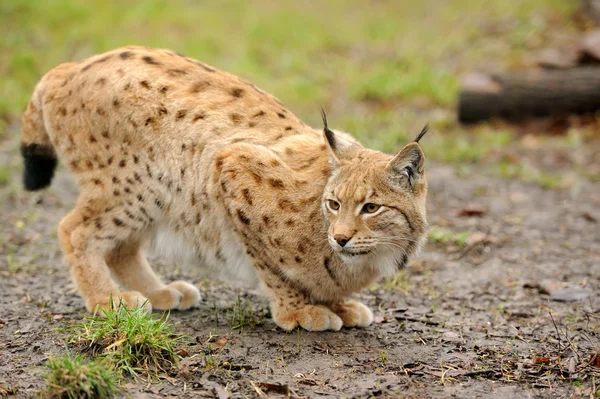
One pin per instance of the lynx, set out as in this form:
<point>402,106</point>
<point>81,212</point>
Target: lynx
<point>160,142</point>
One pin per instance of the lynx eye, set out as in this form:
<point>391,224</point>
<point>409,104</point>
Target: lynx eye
<point>370,208</point>
<point>333,205</point>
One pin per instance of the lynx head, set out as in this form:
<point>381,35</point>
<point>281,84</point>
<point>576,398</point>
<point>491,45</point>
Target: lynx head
<point>375,203</point>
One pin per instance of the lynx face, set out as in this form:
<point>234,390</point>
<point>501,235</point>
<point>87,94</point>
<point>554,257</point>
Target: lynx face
<point>375,204</point>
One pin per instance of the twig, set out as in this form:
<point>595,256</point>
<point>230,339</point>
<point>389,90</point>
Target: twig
<point>572,345</point>
<point>259,392</point>
<point>481,372</point>
<point>414,319</point>
<point>560,349</point>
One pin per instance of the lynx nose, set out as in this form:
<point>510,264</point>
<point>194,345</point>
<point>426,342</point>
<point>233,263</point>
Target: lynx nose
<point>341,239</point>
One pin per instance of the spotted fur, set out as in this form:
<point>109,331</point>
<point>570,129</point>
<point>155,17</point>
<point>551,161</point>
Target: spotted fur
<point>160,142</point>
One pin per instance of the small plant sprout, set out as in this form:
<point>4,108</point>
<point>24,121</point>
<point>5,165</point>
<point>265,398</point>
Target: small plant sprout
<point>383,357</point>
<point>241,315</point>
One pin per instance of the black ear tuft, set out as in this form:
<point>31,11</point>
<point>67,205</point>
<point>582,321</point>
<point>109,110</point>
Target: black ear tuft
<point>329,135</point>
<point>420,136</point>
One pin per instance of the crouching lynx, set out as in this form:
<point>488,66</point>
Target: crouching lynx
<point>161,141</point>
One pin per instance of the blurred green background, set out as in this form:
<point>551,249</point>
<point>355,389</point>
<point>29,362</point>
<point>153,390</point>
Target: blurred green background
<point>381,69</point>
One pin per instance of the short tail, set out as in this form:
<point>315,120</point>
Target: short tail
<point>36,148</point>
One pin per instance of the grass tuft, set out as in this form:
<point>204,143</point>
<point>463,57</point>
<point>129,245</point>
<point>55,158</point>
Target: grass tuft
<point>439,235</point>
<point>242,315</point>
<point>130,340</point>
<point>72,377</point>
<point>398,282</point>
<point>5,176</point>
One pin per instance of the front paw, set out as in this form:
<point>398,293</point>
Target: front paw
<point>177,295</point>
<point>309,317</point>
<point>354,314</point>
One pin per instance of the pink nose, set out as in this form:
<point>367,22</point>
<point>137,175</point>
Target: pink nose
<point>341,239</point>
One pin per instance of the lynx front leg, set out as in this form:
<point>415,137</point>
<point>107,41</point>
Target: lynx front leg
<point>248,178</point>
<point>291,307</point>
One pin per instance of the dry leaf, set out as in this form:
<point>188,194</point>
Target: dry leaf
<point>471,212</point>
<point>279,388</point>
<point>540,360</point>
<point>589,217</point>
<point>479,237</point>
<point>183,353</point>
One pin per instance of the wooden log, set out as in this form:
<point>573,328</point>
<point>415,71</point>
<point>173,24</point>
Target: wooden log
<point>529,94</point>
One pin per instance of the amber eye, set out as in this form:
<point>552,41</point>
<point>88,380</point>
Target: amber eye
<point>370,208</point>
<point>333,205</point>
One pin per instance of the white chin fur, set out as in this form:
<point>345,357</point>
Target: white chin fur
<point>383,260</point>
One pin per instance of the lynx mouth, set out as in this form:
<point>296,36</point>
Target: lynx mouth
<point>356,252</point>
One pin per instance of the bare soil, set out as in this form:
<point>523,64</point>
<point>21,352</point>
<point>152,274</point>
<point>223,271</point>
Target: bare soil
<point>512,313</point>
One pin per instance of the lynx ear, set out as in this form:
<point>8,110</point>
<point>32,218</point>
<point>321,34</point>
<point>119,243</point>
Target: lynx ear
<point>339,148</point>
<point>408,164</point>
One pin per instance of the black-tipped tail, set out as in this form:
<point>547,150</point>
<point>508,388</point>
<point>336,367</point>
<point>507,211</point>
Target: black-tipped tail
<point>40,163</point>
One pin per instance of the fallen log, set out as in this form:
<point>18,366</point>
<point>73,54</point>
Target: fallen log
<point>523,95</point>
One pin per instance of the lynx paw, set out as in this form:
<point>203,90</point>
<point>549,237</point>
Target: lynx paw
<point>177,295</point>
<point>310,317</point>
<point>191,295</point>
<point>354,314</point>
<point>129,299</point>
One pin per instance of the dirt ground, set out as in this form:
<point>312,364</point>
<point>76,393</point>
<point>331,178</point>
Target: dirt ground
<point>511,313</point>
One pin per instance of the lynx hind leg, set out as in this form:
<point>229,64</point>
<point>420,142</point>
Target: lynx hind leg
<point>131,269</point>
<point>85,237</point>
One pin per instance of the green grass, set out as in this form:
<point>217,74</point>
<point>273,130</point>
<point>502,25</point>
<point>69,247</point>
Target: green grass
<point>73,378</point>
<point>440,235</point>
<point>5,176</point>
<point>130,340</point>
<point>381,70</point>
<point>309,54</point>
<point>398,282</point>
<point>383,357</point>
<point>243,315</point>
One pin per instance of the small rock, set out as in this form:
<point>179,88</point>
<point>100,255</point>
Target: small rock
<point>451,336</point>
<point>481,82</point>
<point>570,294</point>
<point>549,286</point>
<point>590,44</point>
<point>557,59</point>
